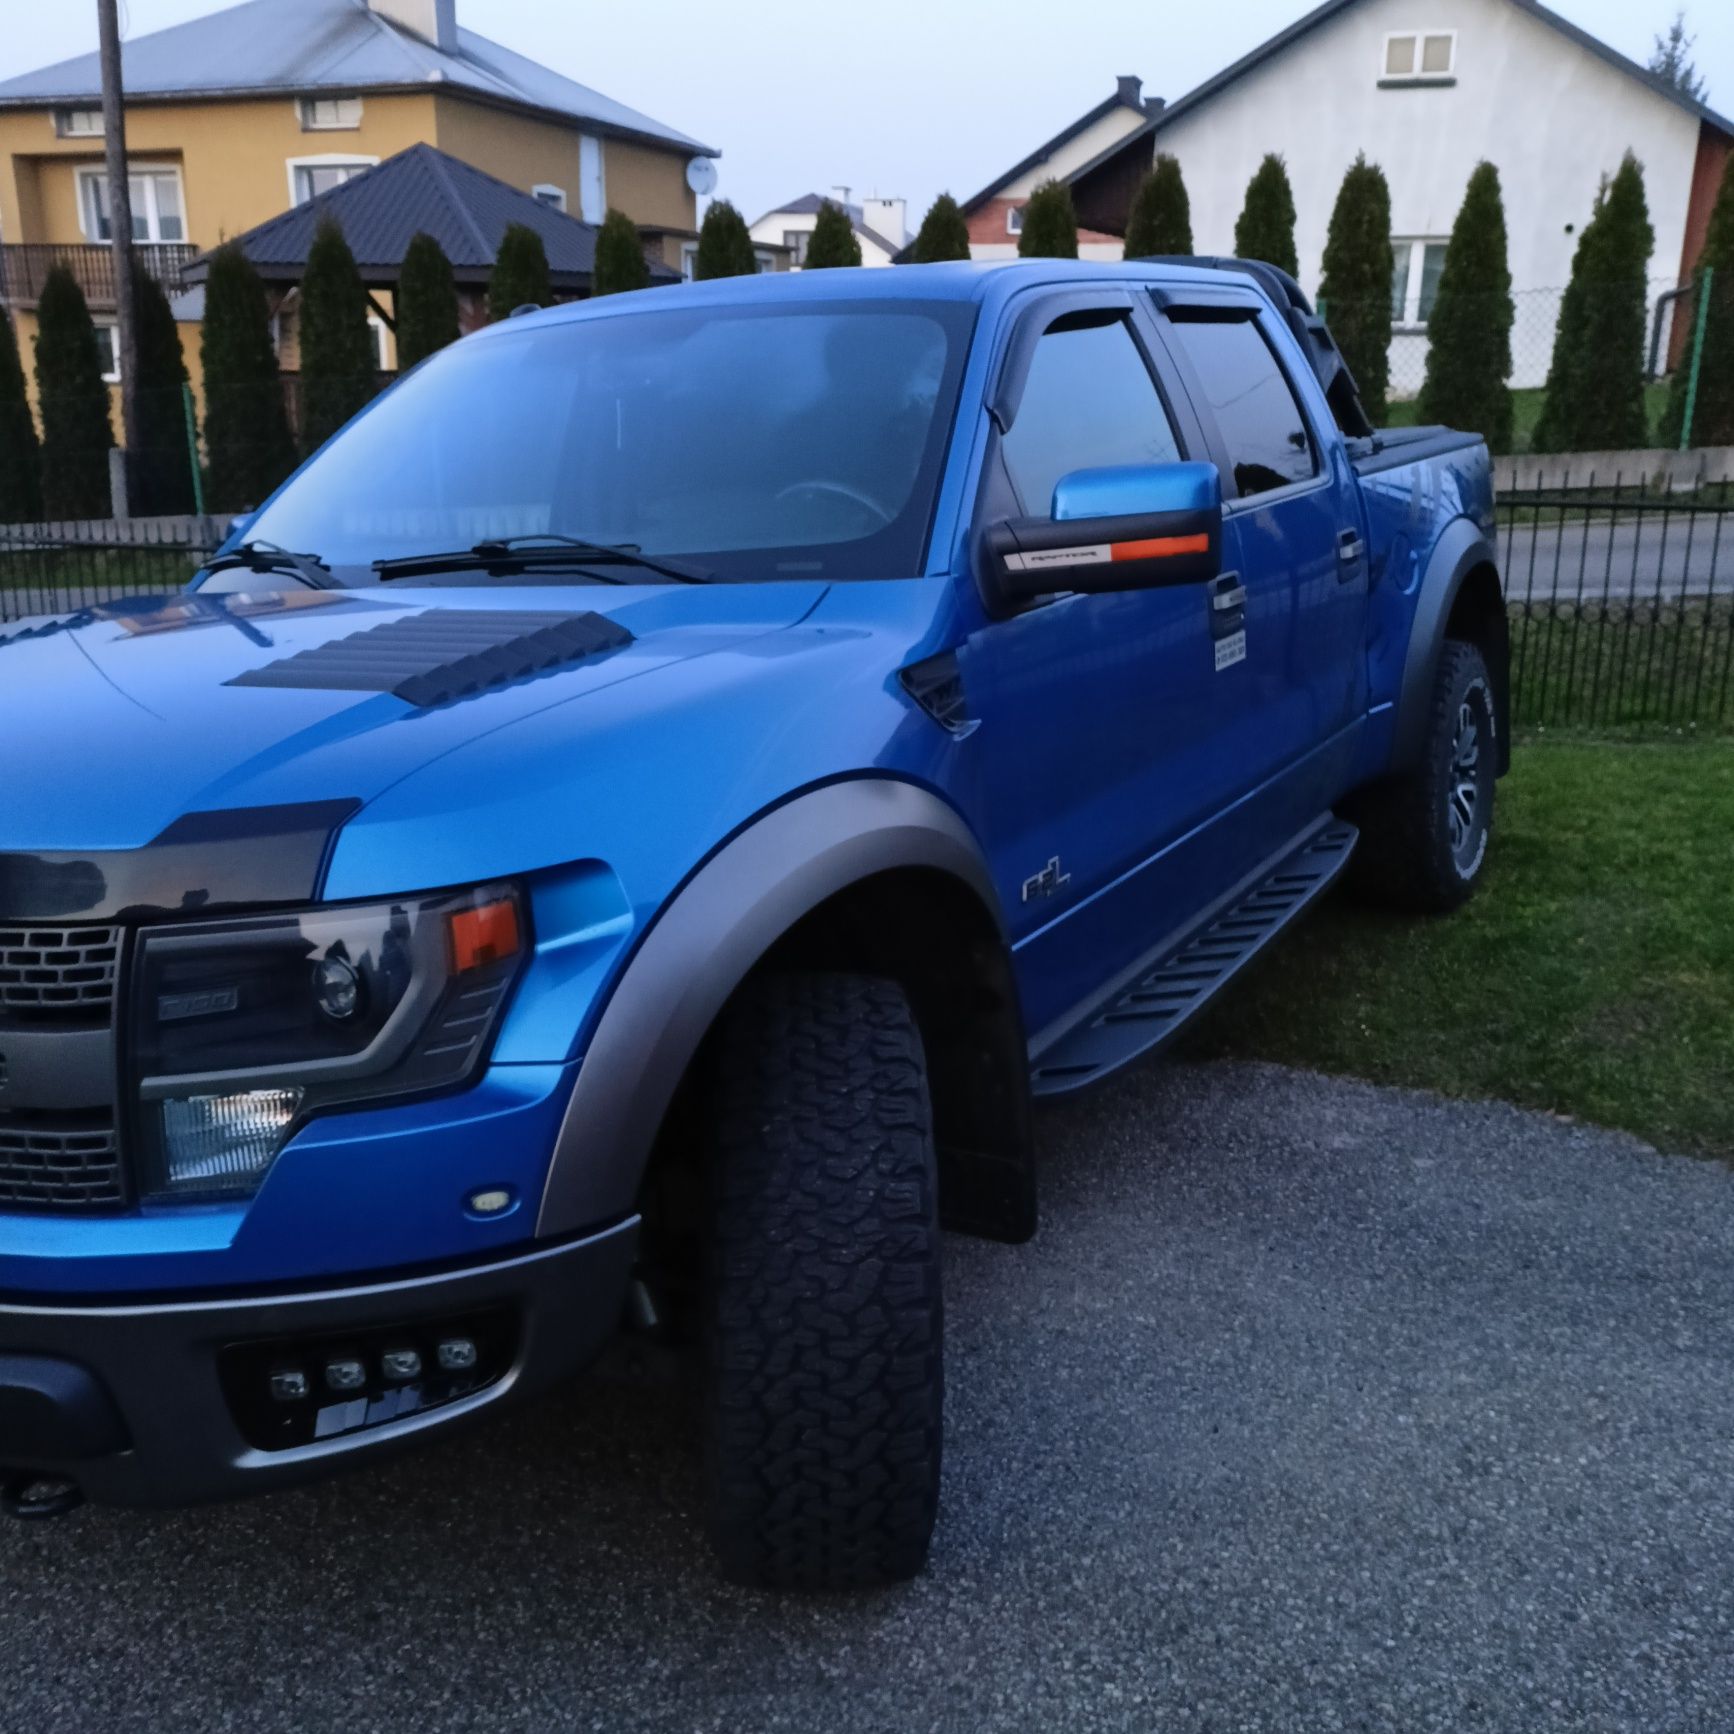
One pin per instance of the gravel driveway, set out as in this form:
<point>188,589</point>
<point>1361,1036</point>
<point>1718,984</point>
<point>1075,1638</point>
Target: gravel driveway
<point>1314,1406</point>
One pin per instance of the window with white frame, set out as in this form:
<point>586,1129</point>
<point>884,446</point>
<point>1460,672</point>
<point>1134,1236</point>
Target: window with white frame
<point>1416,269</point>
<point>158,210</point>
<point>796,241</point>
<point>764,260</point>
<point>330,113</point>
<point>108,347</point>
<point>1419,55</point>
<point>311,176</point>
<point>689,260</point>
<point>1014,220</point>
<point>78,122</point>
<point>592,182</point>
<point>550,195</point>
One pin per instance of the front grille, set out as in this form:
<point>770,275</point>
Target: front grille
<point>58,1162</point>
<point>58,971</point>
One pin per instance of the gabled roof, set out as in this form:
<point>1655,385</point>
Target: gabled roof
<point>1332,9</point>
<point>422,190</point>
<point>808,204</point>
<point>297,47</point>
<point>1128,93</point>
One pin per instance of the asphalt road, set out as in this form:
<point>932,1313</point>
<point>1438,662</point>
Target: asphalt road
<point>1313,1407</point>
<point>1648,561</point>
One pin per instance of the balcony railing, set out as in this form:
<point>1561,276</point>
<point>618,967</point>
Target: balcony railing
<point>24,267</point>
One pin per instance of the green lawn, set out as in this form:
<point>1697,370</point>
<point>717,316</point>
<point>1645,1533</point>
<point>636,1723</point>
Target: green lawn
<point>1526,412</point>
<point>1592,975</point>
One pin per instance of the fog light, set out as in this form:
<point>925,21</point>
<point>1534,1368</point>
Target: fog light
<point>224,1143</point>
<point>457,1355</point>
<point>289,1385</point>
<point>401,1364</point>
<point>345,1375</point>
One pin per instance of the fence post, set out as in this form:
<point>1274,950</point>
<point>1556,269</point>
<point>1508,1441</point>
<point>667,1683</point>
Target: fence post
<point>1703,320</point>
<point>193,449</point>
<point>118,503</point>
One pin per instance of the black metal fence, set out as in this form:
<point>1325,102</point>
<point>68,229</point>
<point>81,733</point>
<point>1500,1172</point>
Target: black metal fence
<point>1621,596</point>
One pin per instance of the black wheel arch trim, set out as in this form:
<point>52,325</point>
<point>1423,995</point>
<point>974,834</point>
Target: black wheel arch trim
<point>1462,548</point>
<point>705,941</point>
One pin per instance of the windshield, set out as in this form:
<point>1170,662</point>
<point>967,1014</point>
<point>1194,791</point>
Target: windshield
<point>756,442</point>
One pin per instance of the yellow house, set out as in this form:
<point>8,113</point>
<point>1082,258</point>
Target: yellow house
<point>236,117</point>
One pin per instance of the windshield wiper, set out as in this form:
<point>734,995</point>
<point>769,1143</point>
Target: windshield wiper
<point>546,549</point>
<point>268,557</point>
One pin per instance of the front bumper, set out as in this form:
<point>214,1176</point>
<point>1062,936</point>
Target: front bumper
<point>127,1401</point>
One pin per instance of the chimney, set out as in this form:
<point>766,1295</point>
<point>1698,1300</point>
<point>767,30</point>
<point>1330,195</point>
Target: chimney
<point>1130,90</point>
<point>434,21</point>
<point>886,217</point>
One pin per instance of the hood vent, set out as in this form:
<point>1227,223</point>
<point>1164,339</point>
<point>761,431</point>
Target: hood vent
<point>445,654</point>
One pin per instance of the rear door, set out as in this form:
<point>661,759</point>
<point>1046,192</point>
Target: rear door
<point>1291,529</point>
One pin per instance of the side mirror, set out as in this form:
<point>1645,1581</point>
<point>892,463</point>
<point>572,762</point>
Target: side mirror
<point>1116,529</point>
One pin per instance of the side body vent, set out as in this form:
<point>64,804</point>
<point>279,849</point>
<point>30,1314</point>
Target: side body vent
<point>445,654</point>
<point>937,686</point>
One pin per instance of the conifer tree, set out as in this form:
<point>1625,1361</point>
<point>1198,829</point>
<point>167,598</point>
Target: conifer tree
<point>944,234</point>
<point>1265,228</point>
<point>1160,223</point>
<point>248,446</point>
<point>1595,387</point>
<point>834,242</point>
<point>427,302</point>
<point>1713,409</point>
<point>161,468</point>
<point>520,275</point>
<point>1355,291</point>
<point>20,452</point>
<point>725,247</point>
<point>339,359</point>
<point>1469,330</point>
<point>620,262</point>
<point>77,433</point>
<point>1050,228</point>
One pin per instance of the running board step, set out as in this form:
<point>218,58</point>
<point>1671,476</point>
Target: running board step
<point>1159,1003</point>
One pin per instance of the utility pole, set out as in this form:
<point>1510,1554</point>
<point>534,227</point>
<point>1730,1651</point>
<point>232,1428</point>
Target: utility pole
<point>119,222</point>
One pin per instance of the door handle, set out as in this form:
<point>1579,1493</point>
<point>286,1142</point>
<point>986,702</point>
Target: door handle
<point>1227,594</point>
<point>1350,547</point>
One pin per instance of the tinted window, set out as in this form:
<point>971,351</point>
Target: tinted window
<point>1089,403</point>
<point>757,441</point>
<point>1261,422</point>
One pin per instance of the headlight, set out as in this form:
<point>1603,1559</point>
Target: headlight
<point>243,1027</point>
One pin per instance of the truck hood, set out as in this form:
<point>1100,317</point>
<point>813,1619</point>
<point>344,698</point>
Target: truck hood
<point>118,720</point>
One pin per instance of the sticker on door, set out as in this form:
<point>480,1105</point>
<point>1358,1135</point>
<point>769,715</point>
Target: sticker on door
<point>1230,650</point>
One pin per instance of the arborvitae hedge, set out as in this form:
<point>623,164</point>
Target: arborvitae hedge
<point>1161,219</point>
<point>1595,387</point>
<point>1265,229</point>
<point>520,276</point>
<point>620,262</point>
<point>20,454</point>
<point>161,471</point>
<point>76,431</point>
<point>248,446</point>
<point>1050,228</point>
<point>427,302</point>
<point>1469,330</point>
<point>944,233</point>
<point>339,358</point>
<point>725,247</point>
<point>1355,290</point>
<point>834,242</point>
<point>1713,414</point>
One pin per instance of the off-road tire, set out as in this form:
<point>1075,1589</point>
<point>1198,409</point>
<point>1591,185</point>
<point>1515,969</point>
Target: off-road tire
<point>1409,856</point>
<point>824,1379</point>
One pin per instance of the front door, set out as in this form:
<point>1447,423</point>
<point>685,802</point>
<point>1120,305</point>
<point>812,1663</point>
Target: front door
<point>1101,747</point>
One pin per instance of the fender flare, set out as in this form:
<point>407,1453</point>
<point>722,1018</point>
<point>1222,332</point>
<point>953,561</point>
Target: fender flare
<point>1460,549</point>
<point>702,945</point>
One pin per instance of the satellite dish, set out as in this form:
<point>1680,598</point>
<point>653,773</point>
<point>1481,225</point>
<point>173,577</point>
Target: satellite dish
<point>701,176</point>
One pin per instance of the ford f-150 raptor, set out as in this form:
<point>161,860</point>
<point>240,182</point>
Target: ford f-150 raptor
<point>629,829</point>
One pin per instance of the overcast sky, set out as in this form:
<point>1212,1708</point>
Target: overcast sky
<point>899,97</point>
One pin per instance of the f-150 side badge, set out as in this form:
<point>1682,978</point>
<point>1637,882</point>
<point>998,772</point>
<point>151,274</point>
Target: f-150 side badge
<point>1046,882</point>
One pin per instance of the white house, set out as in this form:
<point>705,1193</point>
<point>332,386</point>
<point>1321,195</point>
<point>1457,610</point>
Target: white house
<point>1427,89</point>
<point>880,226</point>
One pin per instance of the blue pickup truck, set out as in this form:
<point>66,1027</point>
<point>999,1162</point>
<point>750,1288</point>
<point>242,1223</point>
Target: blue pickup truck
<point>624,837</point>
